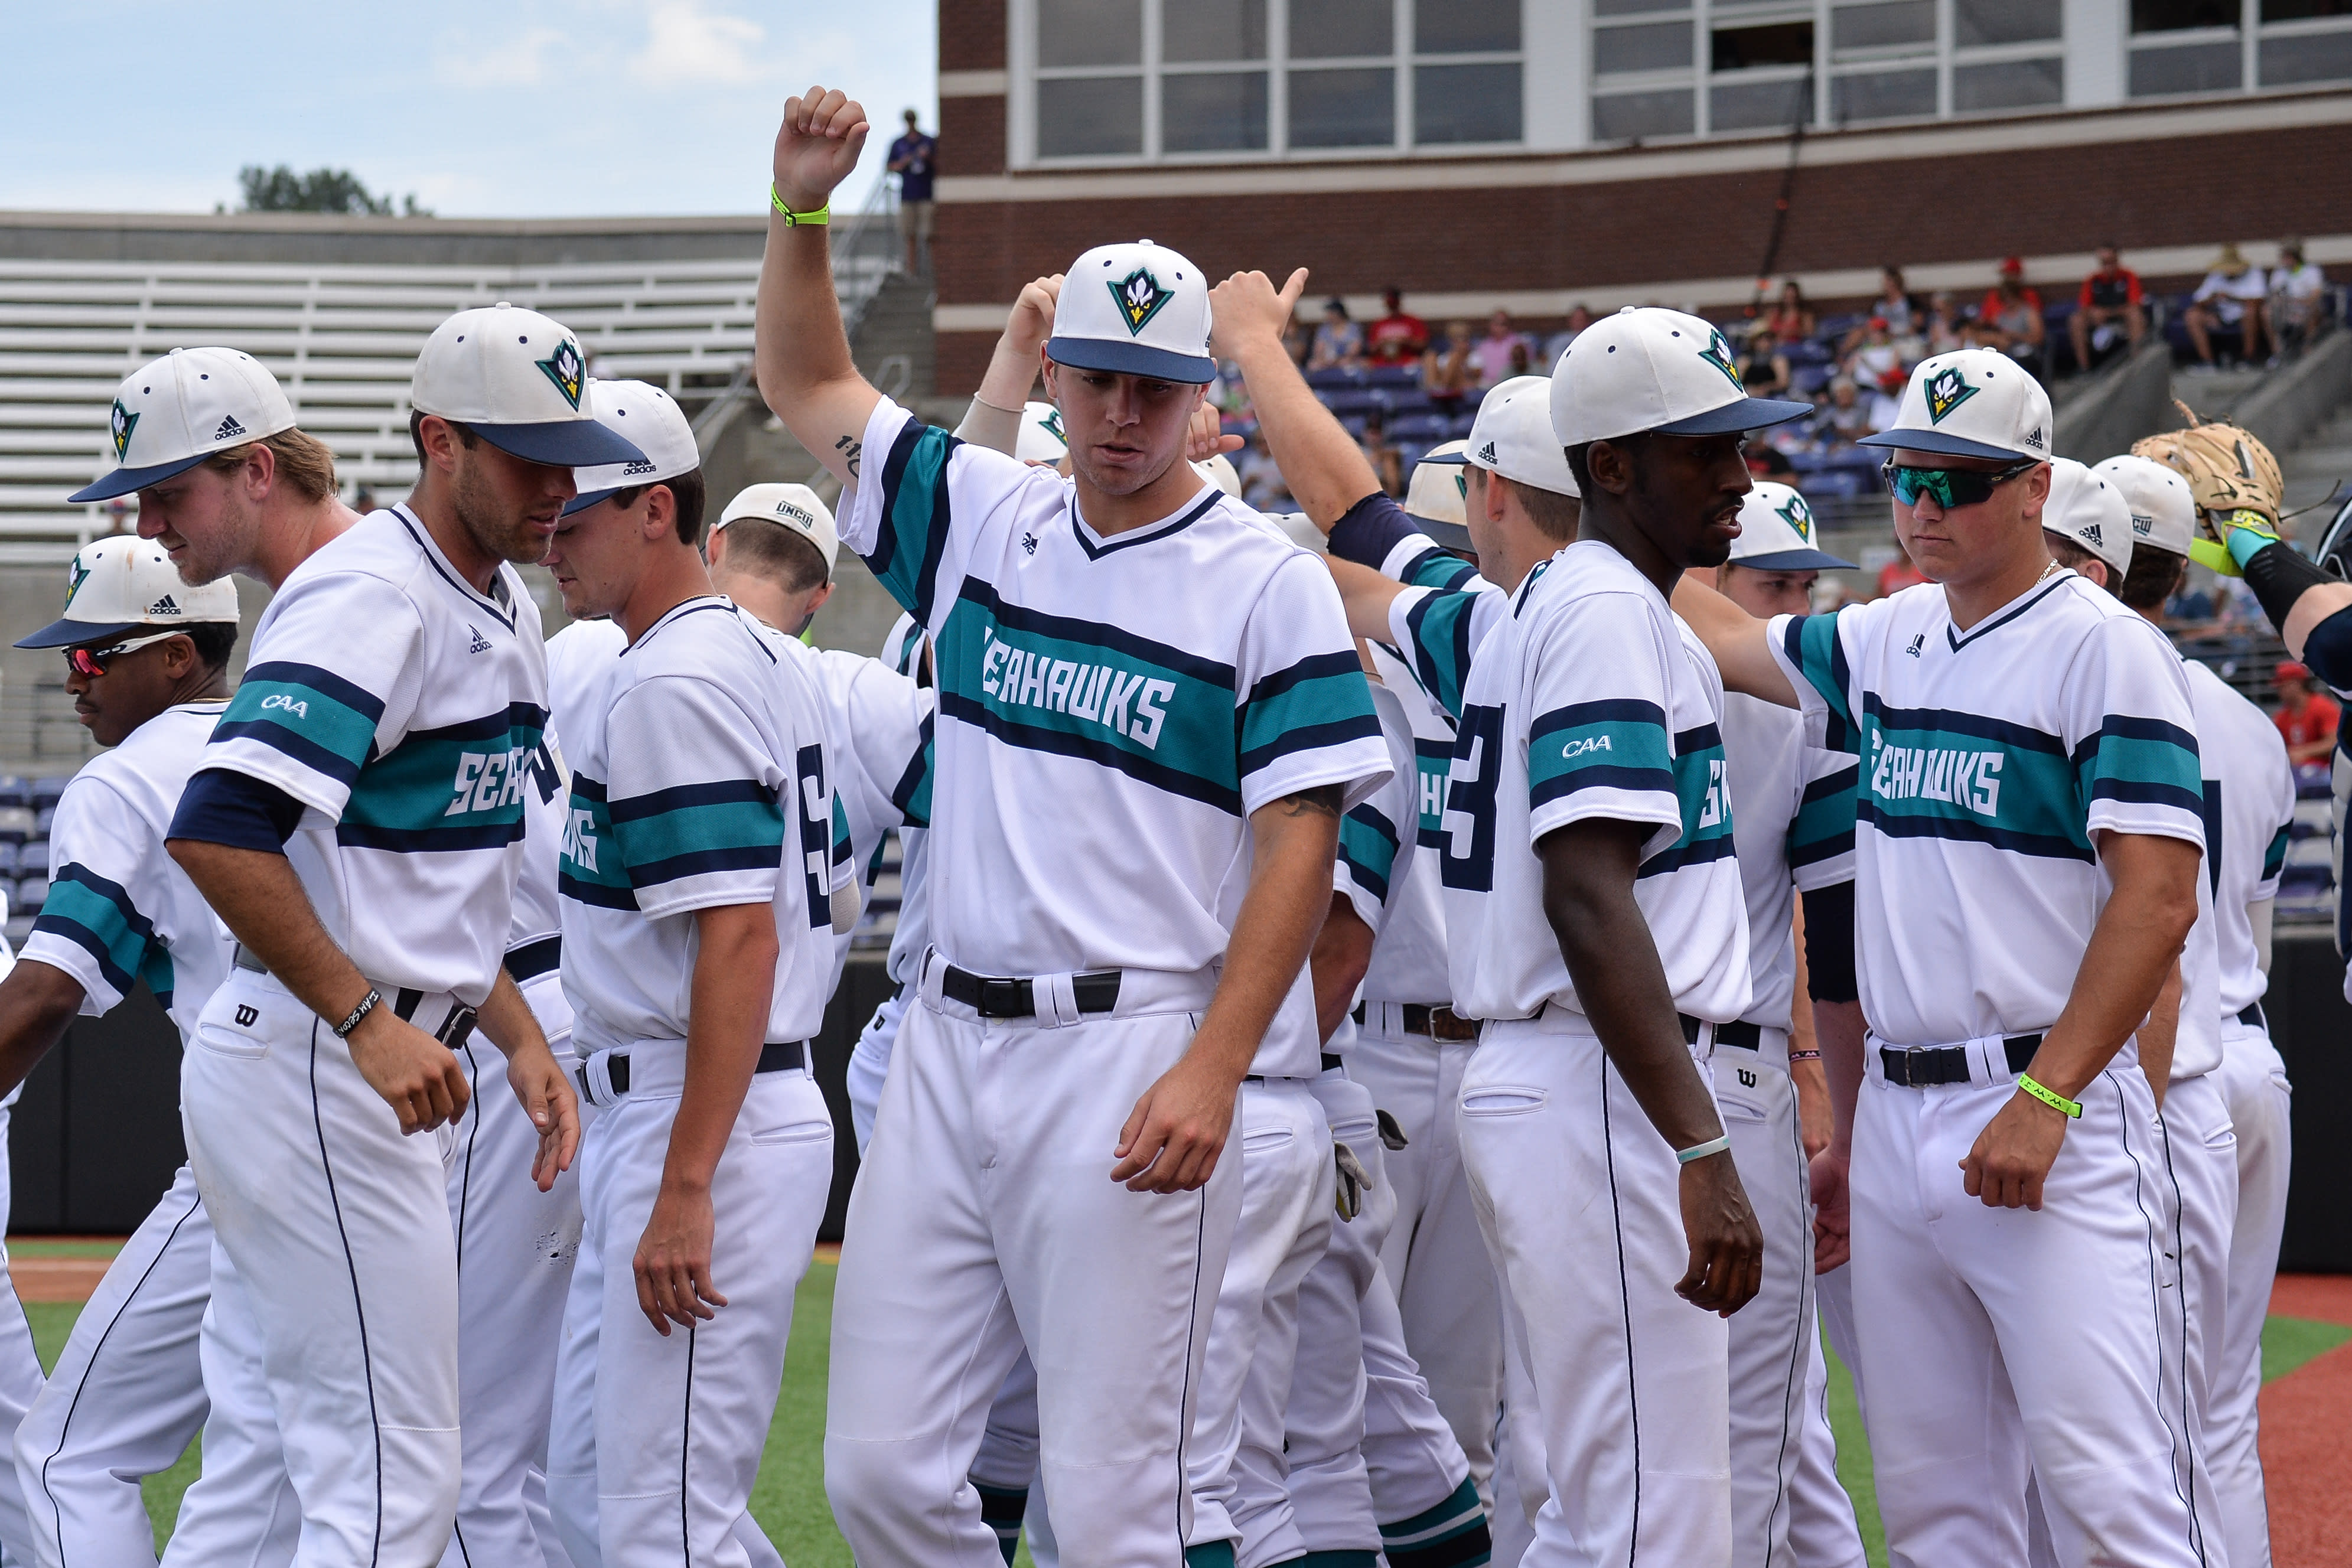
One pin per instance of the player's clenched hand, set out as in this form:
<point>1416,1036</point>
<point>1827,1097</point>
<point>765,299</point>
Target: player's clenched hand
<point>673,1262</point>
<point>1207,437</point>
<point>1247,307</point>
<point>817,146</point>
<point>1726,1245</point>
<point>1031,321</point>
<point>1832,1213</point>
<point>546,1096</point>
<point>2014,1152</point>
<point>1175,1132</point>
<point>417,1075</point>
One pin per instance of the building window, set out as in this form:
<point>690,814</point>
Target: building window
<point>1151,80</point>
<point>2182,47</point>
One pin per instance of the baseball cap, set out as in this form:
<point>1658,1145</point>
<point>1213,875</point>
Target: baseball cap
<point>1512,435</point>
<point>1970,402</point>
<point>1219,471</point>
<point>1136,309</point>
<point>1437,495</point>
<point>641,412</point>
<point>2288,670</point>
<point>172,413</point>
<point>1777,532</point>
<point>796,506</point>
<point>1040,439</point>
<point>1650,368</point>
<point>518,380</point>
<point>2084,508</point>
<point>2163,512</point>
<point>124,584</point>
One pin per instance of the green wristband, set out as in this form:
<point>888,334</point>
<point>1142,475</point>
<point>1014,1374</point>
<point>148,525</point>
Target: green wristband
<point>2050,1097</point>
<point>2248,539</point>
<point>823,214</point>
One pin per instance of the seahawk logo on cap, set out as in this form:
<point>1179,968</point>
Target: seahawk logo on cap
<point>1798,516</point>
<point>1717,353</point>
<point>1947,390</point>
<point>77,574</point>
<point>120,424</point>
<point>1139,297</point>
<point>1052,424</point>
<point>567,370</point>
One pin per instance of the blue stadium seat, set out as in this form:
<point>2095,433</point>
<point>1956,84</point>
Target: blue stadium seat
<point>31,893</point>
<point>1392,375</point>
<point>1429,426</point>
<point>1355,400</point>
<point>1833,483</point>
<point>1334,376</point>
<point>14,792</point>
<point>33,859</point>
<point>46,790</point>
<point>1804,381</point>
<point>7,860</point>
<point>15,824</point>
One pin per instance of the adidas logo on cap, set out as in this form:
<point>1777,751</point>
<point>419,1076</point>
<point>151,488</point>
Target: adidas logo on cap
<point>637,465</point>
<point>2034,438</point>
<point>2090,533</point>
<point>1487,452</point>
<point>229,429</point>
<point>165,606</point>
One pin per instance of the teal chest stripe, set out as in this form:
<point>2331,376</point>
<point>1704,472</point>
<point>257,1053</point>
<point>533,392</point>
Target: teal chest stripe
<point>313,715</point>
<point>459,787</point>
<point>1934,773</point>
<point>696,830</point>
<point>590,869</point>
<point>1705,802</point>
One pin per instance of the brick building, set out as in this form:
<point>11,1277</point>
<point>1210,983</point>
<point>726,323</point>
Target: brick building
<point>1537,153</point>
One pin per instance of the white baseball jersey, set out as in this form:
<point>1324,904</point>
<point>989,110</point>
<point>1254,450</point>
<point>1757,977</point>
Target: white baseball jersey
<point>2249,813</point>
<point>1795,833</point>
<point>1379,836</point>
<point>120,909</point>
<point>903,650</point>
<point>704,782</point>
<point>1449,610</point>
<point>1987,763</point>
<point>880,725</point>
<point>1593,702</point>
<point>547,806</point>
<point>1408,963</point>
<point>402,709</point>
<point>579,660</point>
<point>1110,709</point>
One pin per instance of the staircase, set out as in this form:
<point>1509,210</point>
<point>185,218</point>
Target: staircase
<point>892,340</point>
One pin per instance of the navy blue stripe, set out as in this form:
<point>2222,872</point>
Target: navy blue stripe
<point>587,788</point>
<point>488,606</point>
<point>2209,807</point>
<point>114,893</point>
<point>2040,845</point>
<point>1705,737</point>
<point>1096,633</point>
<point>490,727</point>
<point>1310,738</point>
<point>2133,726</point>
<point>683,796</point>
<point>703,862</point>
<point>2143,794</point>
<point>1129,540</point>
<point>1313,668</point>
<point>301,748</point>
<point>1369,530</point>
<point>1959,641</point>
<point>1425,665</point>
<point>1603,775</point>
<point>886,548</point>
<point>1698,853</point>
<point>1364,876</point>
<point>83,937</point>
<point>1819,850</point>
<point>698,607</point>
<point>1836,783</point>
<point>2021,736</point>
<point>911,782</point>
<point>1613,710</point>
<point>429,841</point>
<point>1140,768</point>
<point>593,892</point>
<point>326,682</point>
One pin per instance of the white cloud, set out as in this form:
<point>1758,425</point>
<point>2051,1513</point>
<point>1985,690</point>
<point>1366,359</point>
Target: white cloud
<point>463,60</point>
<point>687,45</point>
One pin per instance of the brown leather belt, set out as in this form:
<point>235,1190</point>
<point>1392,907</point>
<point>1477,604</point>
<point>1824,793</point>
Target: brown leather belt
<point>1439,1023</point>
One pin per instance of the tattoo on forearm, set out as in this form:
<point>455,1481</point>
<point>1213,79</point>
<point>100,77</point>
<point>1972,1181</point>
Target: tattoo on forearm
<point>851,449</point>
<point>1323,801</point>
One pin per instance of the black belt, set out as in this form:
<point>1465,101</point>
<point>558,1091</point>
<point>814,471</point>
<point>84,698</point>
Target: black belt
<point>1439,1023</point>
<point>1095,992</point>
<point>1329,1062</point>
<point>2251,1014</point>
<point>1931,1064</point>
<point>453,1028</point>
<point>1738,1036</point>
<point>776,1056</point>
<point>532,959</point>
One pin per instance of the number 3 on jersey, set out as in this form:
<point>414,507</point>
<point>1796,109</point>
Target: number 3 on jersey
<point>1467,835</point>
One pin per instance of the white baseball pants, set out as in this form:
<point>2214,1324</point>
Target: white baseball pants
<point>2199,1152</point>
<point>984,1221</point>
<point>2253,1082</point>
<point>340,1227</point>
<point>241,1509</point>
<point>1235,1464</point>
<point>2001,1343</point>
<point>1435,1257</point>
<point>20,1364</point>
<point>1521,1480</point>
<point>656,1439</point>
<point>869,1066</point>
<point>514,1251</point>
<point>1784,1485</point>
<point>1580,1199</point>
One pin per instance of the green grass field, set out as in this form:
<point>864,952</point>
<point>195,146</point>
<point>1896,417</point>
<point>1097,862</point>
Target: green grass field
<point>789,1501</point>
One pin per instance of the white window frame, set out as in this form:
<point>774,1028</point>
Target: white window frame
<point>2250,35</point>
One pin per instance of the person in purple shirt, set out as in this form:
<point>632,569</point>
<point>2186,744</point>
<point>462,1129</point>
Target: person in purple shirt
<point>912,159</point>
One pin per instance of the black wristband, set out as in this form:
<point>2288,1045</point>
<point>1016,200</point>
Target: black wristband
<point>2279,576</point>
<point>367,1005</point>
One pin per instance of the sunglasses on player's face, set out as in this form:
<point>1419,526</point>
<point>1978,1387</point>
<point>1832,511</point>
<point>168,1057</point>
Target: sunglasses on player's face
<point>1951,488</point>
<point>90,663</point>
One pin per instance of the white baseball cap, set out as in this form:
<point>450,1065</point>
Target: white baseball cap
<point>172,413</point>
<point>121,585</point>
<point>1437,495</point>
<point>1971,402</point>
<point>1219,471</point>
<point>1513,436</point>
<point>2084,508</point>
<point>1040,439</point>
<point>518,380</point>
<point>1647,369</point>
<point>796,508</point>
<point>1777,532</point>
<point>2163,512</point>
<point>650,420</point>
<point>1136,309</point>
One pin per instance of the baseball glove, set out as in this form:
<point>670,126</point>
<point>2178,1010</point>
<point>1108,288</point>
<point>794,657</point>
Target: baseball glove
<point>2233,476</point>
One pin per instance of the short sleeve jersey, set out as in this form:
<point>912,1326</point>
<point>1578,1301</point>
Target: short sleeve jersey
<point>119,909</point>
<point>1408,962</point>
<point>404,710</point>
<point>1793,832</point>
<point>2249,814</point>
<point>1382,873</point>
<point>1591,702</point>
<point>1447,610</point>
<point>704,781</point>
<point>1987,762</point>
<point>880,725</point>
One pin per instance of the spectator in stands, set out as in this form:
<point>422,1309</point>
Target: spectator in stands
<point>1763,369</point>
<point>1904,315</point>
<point>1846,420</point>
<point>1298,341</point>
<point>2009,319</point>
<point>362,500</point>
<point>1339,342</point>
<point>1579,319</point>
<point>1398,337</point>
<point>2229,303</point>
<point>2306,717</point>
<point>1941,334</point>
<point>1791,321</point>
<point>1262,482</point>
<point>911,159</point>
<point>1878,368</point>
<point>1899,573</point>
<point>1494,350</point>
<point>1449,370</point>
<point>1523,359</point>
<point>2298,294</point>
<point>2108,314</point>
<point>1381,453</point>
<point>2191,606</point>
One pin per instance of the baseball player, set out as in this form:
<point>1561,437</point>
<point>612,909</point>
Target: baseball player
<point>372,898</point>
<point>147,661</point>
<point>2028,812</point>
<point>699,885</point>
<point>1150,722</point>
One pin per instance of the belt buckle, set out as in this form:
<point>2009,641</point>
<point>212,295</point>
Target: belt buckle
<point>1450,1027</point>
<point>1912,1054</point>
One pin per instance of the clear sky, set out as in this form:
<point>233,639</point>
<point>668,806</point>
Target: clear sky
<point>487,108</point>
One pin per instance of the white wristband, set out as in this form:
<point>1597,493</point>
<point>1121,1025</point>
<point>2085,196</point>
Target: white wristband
<point>1700,1151</point>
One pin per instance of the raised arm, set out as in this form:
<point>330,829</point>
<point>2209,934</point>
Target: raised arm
<point>802,353</point>
<point>994,421</point>
<point>1324,467</point>
<point>1736,638</point>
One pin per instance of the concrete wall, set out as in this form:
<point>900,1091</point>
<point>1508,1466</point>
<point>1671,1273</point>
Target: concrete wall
<point>308,239</point>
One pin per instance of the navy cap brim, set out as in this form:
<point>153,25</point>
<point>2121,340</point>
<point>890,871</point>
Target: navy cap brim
<point>562,444</point>
<point>588,499</point>
<point>66,633</point>
<point>1747,413</point>
<point>1446,536</point>
<point>1794,560</point>
<point>1461,458</point>
<point>123,481</point>
<point>1132,359</point>
<point>1944,445</point>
